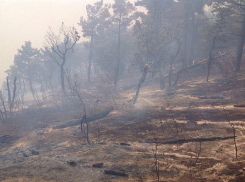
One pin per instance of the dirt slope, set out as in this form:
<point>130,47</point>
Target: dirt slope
<point>33,149</point>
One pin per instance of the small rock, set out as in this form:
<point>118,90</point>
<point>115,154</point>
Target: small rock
<point>102,143</point>
<point>192,123</point>
<point>24,155</point>
<point>124,144</point>
<point>98,165</point>
<point>34,152</point>
<point>72,163</point>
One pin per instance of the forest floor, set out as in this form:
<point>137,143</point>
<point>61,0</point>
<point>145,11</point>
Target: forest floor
<point>132,140</point>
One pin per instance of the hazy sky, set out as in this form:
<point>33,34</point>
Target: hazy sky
<point>28,20</point>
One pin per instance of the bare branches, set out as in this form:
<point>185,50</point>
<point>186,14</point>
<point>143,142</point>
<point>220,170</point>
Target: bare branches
<point>84,118</point>
<point>14,95</point>
<point>63,42</point>
<point>156,161</point>
<point>239,4</point>
<point>3,109</point>
<point>60,44</point>
<point>193,164</point>
<point>233,130</point>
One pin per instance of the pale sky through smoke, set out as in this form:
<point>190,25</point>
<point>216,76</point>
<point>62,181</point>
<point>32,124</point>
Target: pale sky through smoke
<point>28,20</point>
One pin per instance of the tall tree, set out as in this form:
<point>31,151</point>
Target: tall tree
<point>193,13</point>
<point>97,15</point>
<point>234,13</point>
<point>26,63</point>
<point>122,16</point>
<point>60,45</point>
<point>157,34</point>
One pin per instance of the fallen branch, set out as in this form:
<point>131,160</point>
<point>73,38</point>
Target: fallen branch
<point>111,172</point>
<point>203,62</point>
<point>211,97</point>
<point>239,105</point>
<point>177,73</point>
<point>192,140</point>
<point>91,118</point>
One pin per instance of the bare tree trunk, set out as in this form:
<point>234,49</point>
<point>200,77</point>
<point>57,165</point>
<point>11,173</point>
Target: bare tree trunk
<point>4,113</point>
<point>90,56</point>
<point>9,92</point>
<point>240,47</point>
<point>62,78</point>
<point>193,41</point>
<point>196,24</point>
<point>210,58</point>
<point>185,59</point>
<point>50,81</point>
<point>171,65</point>
<point>142,80</point>
<point>23,92</point>
<point>118,53</point>
<point>161,80</point>
<point>14,94</point>
<point>67,75</point>
<point>30,81</point>
<point>170,74</point>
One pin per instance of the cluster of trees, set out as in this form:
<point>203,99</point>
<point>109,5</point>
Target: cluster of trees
<point>125,36</point>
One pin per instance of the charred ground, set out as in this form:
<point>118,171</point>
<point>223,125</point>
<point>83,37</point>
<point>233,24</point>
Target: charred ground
<point>184,134</point>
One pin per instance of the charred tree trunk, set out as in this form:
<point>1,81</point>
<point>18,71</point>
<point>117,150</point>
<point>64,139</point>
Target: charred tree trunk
<point>23,91</point>
<point>171,65</point>
<point>62,78</point>
<point>240,47</point>
<point>14,94</point>
<point>170,74</point>
<point>185,59</point>
<point>50,81</point>
<point>90,56</point>
<point>117,72</point>
<point>9,92</point>
<point>195,24</point>
<point>210,58</point>
<point>193,41</point>
<point>68,79</point>
<point>142,80</point>
<point>30,81</point>
<point>161,79</point>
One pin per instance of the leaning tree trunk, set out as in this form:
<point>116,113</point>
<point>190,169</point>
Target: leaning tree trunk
<point>240,47</point>
<point>142,80</point>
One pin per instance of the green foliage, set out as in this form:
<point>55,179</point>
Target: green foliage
<point>26,57</point>
<point>97,18</point>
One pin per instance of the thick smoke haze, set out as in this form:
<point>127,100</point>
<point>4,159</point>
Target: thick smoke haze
<point>28,20</point>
